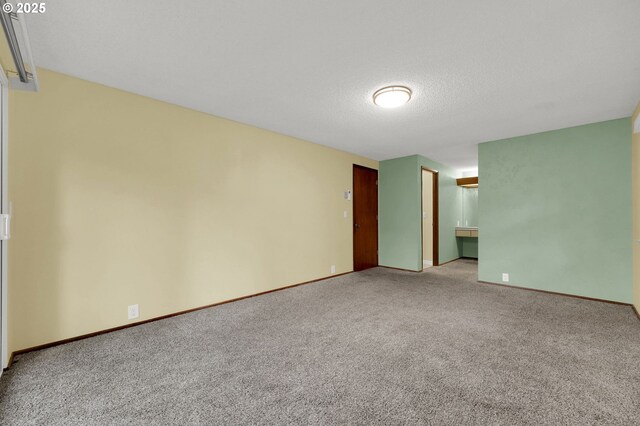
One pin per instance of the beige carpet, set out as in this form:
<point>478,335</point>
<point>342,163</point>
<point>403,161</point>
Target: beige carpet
<point>375,347</point>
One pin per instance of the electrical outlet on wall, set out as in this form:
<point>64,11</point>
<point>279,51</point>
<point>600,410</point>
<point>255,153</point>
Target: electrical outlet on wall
<point>333,269</point>
<point>133,311</point>
<point>505,277</point>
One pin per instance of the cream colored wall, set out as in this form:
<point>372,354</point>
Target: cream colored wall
<point>636,210</point>
<point>427,216</point>
<point>120,199</point>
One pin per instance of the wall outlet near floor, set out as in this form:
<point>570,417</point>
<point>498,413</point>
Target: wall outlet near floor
<point>333,269</point>
<point>133,311</point>
<point>505,277</point>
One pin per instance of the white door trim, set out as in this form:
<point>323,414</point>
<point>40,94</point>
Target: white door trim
<point>4,209</point>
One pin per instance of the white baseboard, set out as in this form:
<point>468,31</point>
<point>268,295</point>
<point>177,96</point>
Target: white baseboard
<point>427,263</point>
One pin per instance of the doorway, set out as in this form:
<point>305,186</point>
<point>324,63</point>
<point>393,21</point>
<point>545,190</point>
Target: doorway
<point>365,218</point>
<point>429,191</point>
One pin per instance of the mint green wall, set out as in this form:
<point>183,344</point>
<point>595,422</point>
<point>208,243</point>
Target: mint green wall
<point>555,211</point>
<point>468,247</point>
<point>399,184</point>
<point>398,213</point>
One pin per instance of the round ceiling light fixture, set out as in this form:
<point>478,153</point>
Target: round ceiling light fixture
<point>392,96</point>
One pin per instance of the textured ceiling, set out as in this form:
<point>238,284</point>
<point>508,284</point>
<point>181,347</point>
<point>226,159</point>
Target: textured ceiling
<point>479,70</point>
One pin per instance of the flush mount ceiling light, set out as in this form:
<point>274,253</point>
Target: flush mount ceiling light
<point>392,96</point>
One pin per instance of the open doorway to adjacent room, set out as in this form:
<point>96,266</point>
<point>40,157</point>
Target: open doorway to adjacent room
<point>429,218</point>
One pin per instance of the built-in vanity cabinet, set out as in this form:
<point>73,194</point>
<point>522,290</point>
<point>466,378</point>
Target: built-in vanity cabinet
<point>467,232</point>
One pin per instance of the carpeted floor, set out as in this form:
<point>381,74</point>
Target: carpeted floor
<point>375,347</point>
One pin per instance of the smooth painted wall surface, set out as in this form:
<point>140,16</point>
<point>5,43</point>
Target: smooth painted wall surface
<point>120,199</point>
<point>555,211</point>
<point>468,247</point>
<point>636,207</point>
<point>400,213</point>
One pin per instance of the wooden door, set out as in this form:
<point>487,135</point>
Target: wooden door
<point>365,218</point>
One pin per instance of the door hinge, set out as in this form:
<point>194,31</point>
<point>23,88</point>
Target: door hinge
<point>5,226</point>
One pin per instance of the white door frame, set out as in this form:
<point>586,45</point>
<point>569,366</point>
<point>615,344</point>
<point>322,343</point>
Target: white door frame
<point>4,209</point>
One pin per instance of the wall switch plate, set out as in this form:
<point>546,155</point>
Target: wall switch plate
<point>133,311</point>
<point>347,195</point>
<point>333,269</point>
<point>345,214</point>
<point>505,278</point>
